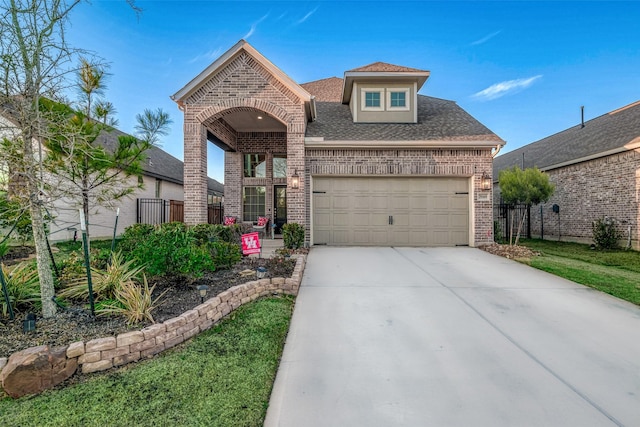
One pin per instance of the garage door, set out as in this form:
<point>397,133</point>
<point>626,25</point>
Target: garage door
<point>391,211</point>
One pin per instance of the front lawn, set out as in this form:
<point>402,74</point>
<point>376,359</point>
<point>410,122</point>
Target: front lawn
<point>221,378</point>
<point>616,272</point>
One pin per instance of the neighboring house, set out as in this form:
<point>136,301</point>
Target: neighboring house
<point>162,180</point>
<point>595,167</point>
<point>363,160</point>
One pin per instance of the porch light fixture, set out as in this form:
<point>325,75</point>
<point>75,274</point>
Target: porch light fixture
<point>295,179</point>
<point>259,117</point>
<point>202,289</point>
<point>485,182</point>
<point>261,272</point>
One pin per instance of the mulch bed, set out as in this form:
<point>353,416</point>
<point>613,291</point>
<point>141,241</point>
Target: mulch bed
<point>77,324</point>
<point>508,251</point>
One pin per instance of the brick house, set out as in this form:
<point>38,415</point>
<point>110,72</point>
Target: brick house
<point>359,160</point>
<point>595,167</point>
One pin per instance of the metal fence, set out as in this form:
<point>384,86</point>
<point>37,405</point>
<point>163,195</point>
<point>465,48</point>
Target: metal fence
<point>159,211</point>
<point>504,214</point>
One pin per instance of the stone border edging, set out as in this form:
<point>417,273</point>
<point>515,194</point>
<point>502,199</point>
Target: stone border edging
<point>36,369</point>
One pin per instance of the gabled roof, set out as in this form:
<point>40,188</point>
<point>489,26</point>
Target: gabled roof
<point>382,71</point>
<point>440,121</point>
<point>611,133</point>
<point>242,46</point>
<point>325,90</point>
<point>384,67</point>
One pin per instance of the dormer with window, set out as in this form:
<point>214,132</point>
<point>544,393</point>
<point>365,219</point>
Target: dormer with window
<point>383,93</point>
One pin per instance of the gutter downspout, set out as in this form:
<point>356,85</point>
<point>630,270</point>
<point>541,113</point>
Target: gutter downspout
<point>495,153</point>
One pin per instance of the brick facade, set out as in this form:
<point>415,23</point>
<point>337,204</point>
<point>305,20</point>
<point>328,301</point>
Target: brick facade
<point>414,162</point>
<point>244,84</point>
<point>608,186</point>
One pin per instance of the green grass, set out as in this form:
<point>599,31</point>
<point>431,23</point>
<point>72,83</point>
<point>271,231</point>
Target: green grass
<point>221,378</point>
<point>616,272</point>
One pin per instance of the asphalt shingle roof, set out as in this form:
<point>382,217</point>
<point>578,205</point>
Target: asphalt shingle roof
<point>325,90</point>
<point>600,135</point>
<point>158,163</point>
<point>438,119</point>
<point>384,67</point>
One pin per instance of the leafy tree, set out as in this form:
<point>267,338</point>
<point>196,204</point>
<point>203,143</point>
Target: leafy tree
<point>35,61</point>
<point>94,168</point>
<point>528,187</point>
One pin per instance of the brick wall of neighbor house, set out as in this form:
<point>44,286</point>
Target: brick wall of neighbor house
<point>243,85</point>
<point>589,190</point>
<point>414,162</point>
<point>609,186</point>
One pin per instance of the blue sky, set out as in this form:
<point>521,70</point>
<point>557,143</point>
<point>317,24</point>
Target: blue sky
<point>521,68</point>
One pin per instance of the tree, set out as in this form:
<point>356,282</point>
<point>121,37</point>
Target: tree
<point>94,167</point>
<point>528,187</point>
<point>35,61</point>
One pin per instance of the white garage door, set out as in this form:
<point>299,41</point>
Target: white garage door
<point>391,211</point>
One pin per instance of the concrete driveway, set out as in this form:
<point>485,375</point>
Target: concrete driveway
<point>453,337</point>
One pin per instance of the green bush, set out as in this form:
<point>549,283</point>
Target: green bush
<point>605,233</point>
<point>23,287</point>
<point>225,254</point>
<point>133,235</point>
<point>205,233</point>
<point>293,235</point>
<point>167,249</point>
<point>497,232</point>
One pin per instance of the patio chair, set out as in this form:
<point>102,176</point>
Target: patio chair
<point>261,226</point>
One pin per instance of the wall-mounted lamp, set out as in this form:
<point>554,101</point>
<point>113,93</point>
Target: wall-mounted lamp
<point>295,179</point>
<point>485,182</point>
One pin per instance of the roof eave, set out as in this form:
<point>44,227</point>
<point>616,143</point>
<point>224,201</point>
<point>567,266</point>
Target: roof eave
<point>180,96</point>
<point>349,76</point>
<point>319,142</point>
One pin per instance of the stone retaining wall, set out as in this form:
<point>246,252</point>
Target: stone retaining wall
<point>36,369</point>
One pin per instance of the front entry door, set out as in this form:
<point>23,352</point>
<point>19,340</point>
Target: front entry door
<point>280,207</point>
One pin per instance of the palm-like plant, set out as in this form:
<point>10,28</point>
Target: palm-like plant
<point>23,287</point>
<point>133,301</point>
<point>105,283</point>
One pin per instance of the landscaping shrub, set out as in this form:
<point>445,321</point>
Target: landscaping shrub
<point>497,232</point>
<point>205,233</point>
<point>132,301</point>
<point>225,254</point>
<point>105,283</point>
<point>605,233</point>
<point>293,235</point>
<point>133,235</point>
<point>23,287</point>
<point>168,249</point>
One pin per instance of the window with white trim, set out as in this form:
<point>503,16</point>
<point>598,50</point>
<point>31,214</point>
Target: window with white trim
<point>372,99</point>
<point>398,99</point>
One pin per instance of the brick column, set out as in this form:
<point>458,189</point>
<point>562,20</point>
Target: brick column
<point>195,171</point>
<point>233,171</point>
<point>297,198</point>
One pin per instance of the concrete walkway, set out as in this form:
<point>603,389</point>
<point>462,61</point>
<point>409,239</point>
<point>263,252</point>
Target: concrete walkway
<point>453,337</point>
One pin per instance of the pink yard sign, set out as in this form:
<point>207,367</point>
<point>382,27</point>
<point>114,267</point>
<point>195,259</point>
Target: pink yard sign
<point>250,244</point>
